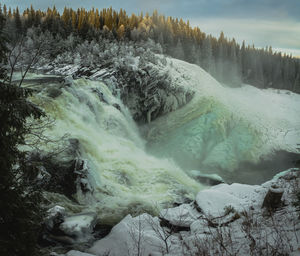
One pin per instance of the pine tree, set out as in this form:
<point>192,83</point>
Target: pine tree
<point>18,22</point>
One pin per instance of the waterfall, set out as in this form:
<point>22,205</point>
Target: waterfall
<point>127,179</point>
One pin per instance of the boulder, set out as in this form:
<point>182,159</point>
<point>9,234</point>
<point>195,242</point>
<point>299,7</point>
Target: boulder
<point>272,199</point>
<point>208,179</point>
<point>79,226</point>
<point>179,217</point>
<point>214,203</point>
<point>77,253</point>
<point>132,236</point>
<point>55,216</point>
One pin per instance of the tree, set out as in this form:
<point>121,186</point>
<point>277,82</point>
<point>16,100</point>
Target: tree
<point>19,209</point>
<point>18,22</point>
<point>3,48</point>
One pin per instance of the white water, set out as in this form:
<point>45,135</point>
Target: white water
<point>127,178</point>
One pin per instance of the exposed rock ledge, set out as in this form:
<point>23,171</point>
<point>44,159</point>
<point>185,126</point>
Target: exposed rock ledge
<point>223,220</point>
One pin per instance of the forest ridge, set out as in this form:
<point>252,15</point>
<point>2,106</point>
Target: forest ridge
<point>225,59</point>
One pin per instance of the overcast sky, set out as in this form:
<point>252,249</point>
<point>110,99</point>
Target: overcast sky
<point>262,22</point>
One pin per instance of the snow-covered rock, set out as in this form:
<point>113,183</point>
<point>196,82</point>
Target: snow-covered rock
<point>68,229</point>
<point>140,235</point>
<point>55,216</point>
<point>215,203</point>
<point>72,253</point>
<point>182,216</point>
<point>77,253</point>
<point>79,226</point>
<point>209,179</point>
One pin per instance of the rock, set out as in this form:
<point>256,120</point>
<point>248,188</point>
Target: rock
<point>132,236</point>
<point>72,253</point>
<point>117,106</point>
<point>56,216</point>
<point>289,174</point>
<point>272,199</point>
<point>43,176</point>
<point>214,203</point>
<point>208,179</point>
<point>79,226</point>
<point>77,253</point>
<point>190,232</point>
<point>53,92</point>
<point>51,233</point>
<point>60,228</point>
<point>66,240</point>
<point>82,171</point>
<point>65,173</point>
<point>179,217</point>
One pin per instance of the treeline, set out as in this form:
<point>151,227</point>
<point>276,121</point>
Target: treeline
<point>224,58</point>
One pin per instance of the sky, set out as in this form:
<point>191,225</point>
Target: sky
<point>263,23</point>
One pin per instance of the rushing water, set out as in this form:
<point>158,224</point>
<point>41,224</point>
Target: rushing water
<point>127,178</point>
<point>216,132</point>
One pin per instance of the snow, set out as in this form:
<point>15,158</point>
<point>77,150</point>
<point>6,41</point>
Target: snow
<point>132,236</point>
<point>79,225</point>
<point>182,216</point>
<point>72,253</point>
<point>214,203</point>
<point>210,178</point>
<point>288,174</point>
<point>77,253</point>
<point>212,232</point>
<point>216,129</point>
<point>54,211</point>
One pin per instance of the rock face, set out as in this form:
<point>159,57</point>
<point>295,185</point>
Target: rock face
<point>66,174</point>
<point>143,83</point>
<point>224,220</point>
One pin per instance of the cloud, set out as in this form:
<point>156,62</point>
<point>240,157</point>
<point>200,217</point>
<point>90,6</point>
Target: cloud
<point>267,9</point>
